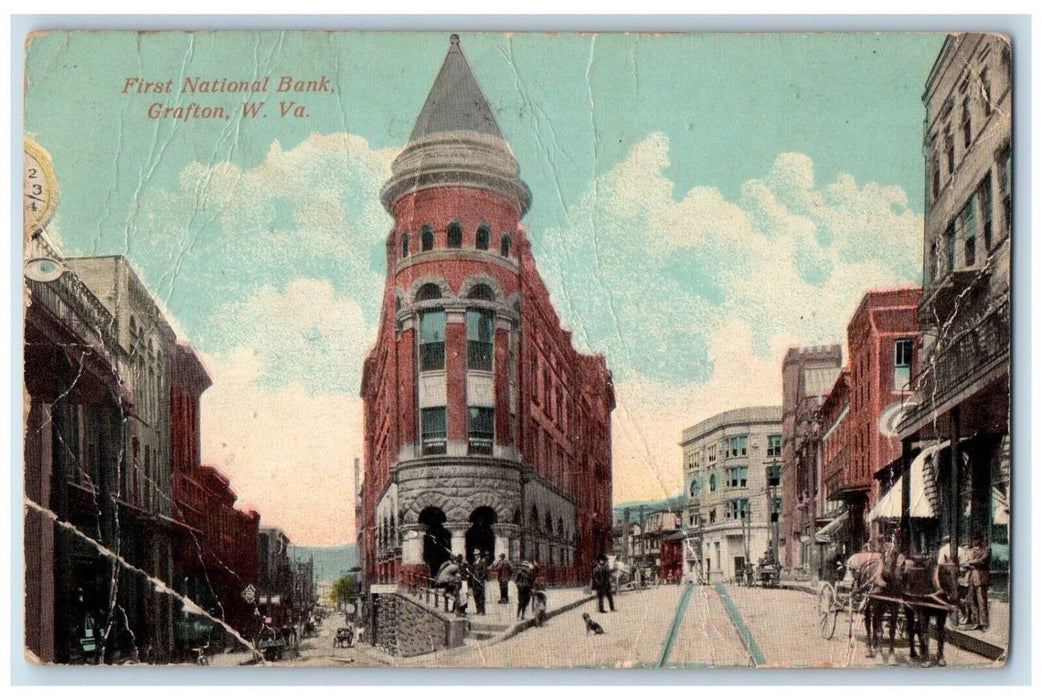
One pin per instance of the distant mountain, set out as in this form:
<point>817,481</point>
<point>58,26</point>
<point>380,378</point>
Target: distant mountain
<point>330,562</point>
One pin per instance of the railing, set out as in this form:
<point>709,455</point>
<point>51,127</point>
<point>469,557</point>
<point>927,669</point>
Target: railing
<point>959,355</point>
<point>72,303</point>
<point>422,588</point>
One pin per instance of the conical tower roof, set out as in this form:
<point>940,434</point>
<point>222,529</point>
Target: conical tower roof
<point>455,102</point>
<point>456,141</point>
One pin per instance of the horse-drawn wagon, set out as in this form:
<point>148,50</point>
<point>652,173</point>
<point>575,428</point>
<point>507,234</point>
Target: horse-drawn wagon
<point>910,593</point>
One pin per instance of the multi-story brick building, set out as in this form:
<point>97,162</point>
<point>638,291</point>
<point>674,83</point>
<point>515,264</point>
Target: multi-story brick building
<point>484,428</point>
<point>963,386</point>
<point>859,444</point>
<point>732,467</point>
<point>807,375</point>
<point>215,553</point>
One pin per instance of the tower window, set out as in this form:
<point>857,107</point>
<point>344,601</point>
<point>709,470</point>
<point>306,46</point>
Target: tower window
<point>455,235</point>
<point>426,238</point>
<point>480,329</point>
<point>480,432</point>
<point>428,291</point>
<point>482,292</point>
<point>433,429</point>
<point>405,245</point>
<point>432,341</point>
<point>484,235</point>
<point>504,245</point>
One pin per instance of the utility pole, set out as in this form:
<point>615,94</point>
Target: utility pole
<point>773,479</point>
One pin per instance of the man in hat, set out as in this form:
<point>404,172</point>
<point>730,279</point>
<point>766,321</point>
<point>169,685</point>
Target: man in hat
<point>601,583</point>
<point>503,573</point>
<point>477,576</point>
<point>979,563</point>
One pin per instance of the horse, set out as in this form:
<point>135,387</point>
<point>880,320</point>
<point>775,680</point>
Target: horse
<point>867,569</point>
<point>891,583</point>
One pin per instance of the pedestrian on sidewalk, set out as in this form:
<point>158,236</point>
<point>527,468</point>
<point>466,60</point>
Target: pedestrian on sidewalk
<point>601,583</point>
<point>476,580</point>
<point>503,573</point>
<point>523,579</point>
<point>980,577</point>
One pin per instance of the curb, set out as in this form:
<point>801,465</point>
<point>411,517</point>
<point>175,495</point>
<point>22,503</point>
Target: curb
<point>521,626</point>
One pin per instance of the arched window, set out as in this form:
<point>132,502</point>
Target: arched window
<point>455,235</point>
<point>426,238</point>
<point>405,245</point>
<point>482,292</point>
<point>560,527</point>
<point>428,291</point>
<point>549,524</point>
<point>504,245</point>
<point>712,481</point>
<point>484,234</point>
<point>535,517</point>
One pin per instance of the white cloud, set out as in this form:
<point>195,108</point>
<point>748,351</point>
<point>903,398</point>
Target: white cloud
<point>305,335</point>
<point>695,299</point>
<point>287,447</point>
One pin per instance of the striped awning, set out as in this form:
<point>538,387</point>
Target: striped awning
<point>923,492</point>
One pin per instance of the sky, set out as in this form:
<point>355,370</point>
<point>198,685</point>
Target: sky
<point>700,204</point>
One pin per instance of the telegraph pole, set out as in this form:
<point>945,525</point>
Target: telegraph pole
<point>773,479</point>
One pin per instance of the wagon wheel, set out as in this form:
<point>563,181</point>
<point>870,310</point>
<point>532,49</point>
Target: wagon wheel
<point>827,611</point>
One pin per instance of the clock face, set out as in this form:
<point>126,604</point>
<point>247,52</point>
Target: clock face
<point>39,186</point>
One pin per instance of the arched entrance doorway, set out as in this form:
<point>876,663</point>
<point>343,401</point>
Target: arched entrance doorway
<point>480,535</point>
<point>437,540</point>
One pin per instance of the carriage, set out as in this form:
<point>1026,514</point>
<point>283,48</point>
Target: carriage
<point>911,592</point>
<point>770,575</point>
<point>345,638</point>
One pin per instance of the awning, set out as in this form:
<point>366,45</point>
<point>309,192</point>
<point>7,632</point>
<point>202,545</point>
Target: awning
<point>830,532</point>
<point>889,506</point>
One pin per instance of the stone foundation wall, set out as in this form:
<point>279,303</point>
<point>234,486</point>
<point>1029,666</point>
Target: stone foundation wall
<point>406,628</point>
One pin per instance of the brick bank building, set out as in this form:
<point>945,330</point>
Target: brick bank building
<point>484,428</point>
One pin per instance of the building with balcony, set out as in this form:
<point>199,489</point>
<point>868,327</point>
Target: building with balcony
<point>75,400</point>
<point>960,411</point>
<point>484,428</point>
<point>99,450</point>
<point>733,480</point>
<point>807,375</point>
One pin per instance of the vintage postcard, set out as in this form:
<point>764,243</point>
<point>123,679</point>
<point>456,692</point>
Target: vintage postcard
<point>517,349</point>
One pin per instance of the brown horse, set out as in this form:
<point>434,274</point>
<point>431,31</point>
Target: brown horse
<point>889,582</point>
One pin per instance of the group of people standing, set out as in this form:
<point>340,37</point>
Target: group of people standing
<point>456,570</point>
